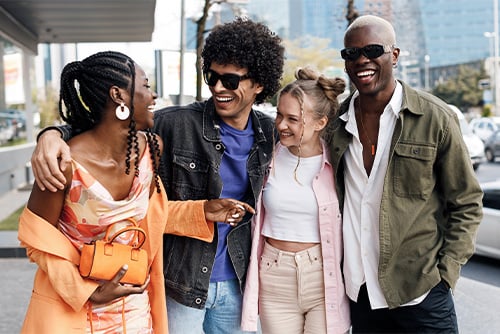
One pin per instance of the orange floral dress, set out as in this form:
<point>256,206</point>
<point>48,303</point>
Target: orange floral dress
<point>88,211</point>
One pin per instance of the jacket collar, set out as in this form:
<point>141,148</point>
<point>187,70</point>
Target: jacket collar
<point>211,121</point>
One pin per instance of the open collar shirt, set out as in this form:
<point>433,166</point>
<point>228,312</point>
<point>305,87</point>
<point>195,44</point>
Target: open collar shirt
<point>363,195</point>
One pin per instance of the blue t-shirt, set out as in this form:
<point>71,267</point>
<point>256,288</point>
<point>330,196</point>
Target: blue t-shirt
<point>233,172</point>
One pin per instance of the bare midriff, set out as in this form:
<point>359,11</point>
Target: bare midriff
<point>290,246</point>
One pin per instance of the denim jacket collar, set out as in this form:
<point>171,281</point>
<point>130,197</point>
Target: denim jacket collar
<point>211,125</point>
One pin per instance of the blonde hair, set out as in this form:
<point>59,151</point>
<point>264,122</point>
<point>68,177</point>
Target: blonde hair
<point>323,94</point>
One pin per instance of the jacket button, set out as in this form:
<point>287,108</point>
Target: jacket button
<point>218,147</point>
<point>192,165</point>
<point>197,301</point>
<point>204,269</point>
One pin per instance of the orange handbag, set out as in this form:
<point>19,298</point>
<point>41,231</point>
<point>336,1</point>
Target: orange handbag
<point>101,259</point>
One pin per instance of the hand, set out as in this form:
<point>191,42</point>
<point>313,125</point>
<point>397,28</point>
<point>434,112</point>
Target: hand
<point>112,289</point>
<point>226,210</point>
<point>49,160</point>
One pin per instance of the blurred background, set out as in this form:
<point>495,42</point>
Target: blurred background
<point>447,47</point>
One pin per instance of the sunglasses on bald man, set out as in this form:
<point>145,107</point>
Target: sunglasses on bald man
<point>371,51</point>
<point>230,81</point>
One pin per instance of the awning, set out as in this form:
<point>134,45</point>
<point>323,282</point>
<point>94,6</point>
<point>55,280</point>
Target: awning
<point>29,22</point>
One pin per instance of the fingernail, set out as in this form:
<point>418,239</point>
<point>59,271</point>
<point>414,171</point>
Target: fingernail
<point>230,220</point>
<point>236,215</point>
<point>241,207</point>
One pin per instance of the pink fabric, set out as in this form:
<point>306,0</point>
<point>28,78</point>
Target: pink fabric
<point>330,222</point>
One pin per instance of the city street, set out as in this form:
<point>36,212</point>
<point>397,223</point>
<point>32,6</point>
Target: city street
<point>477,295</point>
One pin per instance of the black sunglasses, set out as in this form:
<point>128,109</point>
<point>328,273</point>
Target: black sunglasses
<point>229,80</point>
<point>371,51</point>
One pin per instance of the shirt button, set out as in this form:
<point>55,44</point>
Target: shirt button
<point>192,165</point>
<point>204,269</point>
<point>197,301</point>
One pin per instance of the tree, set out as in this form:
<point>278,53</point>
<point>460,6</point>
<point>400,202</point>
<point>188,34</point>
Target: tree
<point>200,37</point>
<point>312,51</point>
<point>463,89</point>
<point>352,13</point>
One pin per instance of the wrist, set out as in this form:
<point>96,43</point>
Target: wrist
<point>49,129</point>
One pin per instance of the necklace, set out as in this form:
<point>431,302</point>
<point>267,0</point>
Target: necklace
<point>364,129</point>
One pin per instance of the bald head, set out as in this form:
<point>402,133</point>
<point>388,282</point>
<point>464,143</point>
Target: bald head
<point>384,28</point>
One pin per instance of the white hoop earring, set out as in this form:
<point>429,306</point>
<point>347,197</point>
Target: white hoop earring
<point>122,112</point>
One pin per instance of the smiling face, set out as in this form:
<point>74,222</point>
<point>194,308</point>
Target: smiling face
<point>144,100</point>
<point>297,125</point>
<point>233,106</point>
<point>371,76</point>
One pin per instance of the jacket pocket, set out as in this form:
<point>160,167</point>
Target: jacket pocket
<point>190,175</point>
<point>413,170</point>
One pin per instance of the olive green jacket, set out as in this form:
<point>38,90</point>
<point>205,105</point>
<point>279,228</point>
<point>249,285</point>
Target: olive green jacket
<point>431,203</point>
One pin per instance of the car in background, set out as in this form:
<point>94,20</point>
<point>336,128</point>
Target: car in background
<point>7,130</point>
<point>492,146</point>
<point>15,119</point>
<point>488,233</point>
<point>484,127</point>
<point>474,144</point>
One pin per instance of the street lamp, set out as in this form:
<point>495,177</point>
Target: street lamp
<point>427,59</point>
<point>491,65</point>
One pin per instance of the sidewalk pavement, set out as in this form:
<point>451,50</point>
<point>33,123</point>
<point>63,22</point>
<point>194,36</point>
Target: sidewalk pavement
<point>9,203</point>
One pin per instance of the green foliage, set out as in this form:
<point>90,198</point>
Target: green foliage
<point>487,112</point>
<point>462,90</point>
<point>48,107</point>
<point>309,51</point>
<point>11,223</point>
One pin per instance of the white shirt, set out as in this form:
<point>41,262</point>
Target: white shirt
<point>291,207</point>
<point>362,204</point>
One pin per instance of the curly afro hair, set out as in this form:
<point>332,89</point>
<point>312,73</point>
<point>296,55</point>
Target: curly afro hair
<point>249,45</point>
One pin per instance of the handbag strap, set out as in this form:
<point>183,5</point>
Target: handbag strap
<point>140,233</point>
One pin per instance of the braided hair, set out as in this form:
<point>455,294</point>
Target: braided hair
<point>85,91</point>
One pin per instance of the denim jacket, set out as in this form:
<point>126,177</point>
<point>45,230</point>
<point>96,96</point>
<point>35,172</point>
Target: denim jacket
<point>431,204</point>
<point>190,170</point>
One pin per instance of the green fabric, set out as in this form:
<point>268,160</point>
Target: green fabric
<point>431,203</point>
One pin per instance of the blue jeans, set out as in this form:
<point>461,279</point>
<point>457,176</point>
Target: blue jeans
<point>221,315</point>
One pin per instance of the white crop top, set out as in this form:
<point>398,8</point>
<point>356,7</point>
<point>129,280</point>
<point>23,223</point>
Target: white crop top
<point>291,208</point>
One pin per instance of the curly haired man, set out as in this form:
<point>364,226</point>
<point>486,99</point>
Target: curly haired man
<point>217,148</point>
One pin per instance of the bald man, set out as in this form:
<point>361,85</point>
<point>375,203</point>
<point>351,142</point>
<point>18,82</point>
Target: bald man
<point>410,199</point>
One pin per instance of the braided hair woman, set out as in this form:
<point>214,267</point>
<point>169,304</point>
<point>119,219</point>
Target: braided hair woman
<point>112,182</point>
<point>294,279</point>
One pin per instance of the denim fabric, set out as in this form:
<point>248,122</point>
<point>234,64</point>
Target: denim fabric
<point>190,170</point>
<point>221,315</point>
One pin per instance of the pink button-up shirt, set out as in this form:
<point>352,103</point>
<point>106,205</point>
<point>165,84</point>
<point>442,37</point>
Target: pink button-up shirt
<point>330,226</point>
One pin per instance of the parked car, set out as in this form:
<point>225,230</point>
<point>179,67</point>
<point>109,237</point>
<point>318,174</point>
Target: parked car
<point>492,146</point>
<point>7,130</point>
<point>488,234</point>
<point>16,118</point>
<point>474,144</point>
<point>485,126</point>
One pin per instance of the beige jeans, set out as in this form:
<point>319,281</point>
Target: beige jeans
<point>291,294</point>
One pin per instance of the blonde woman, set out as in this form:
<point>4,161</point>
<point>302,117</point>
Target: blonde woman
<point>294,282</point>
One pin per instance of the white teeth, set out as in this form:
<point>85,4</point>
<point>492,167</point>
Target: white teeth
<point>365,73</point>
<point>223,99</point>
